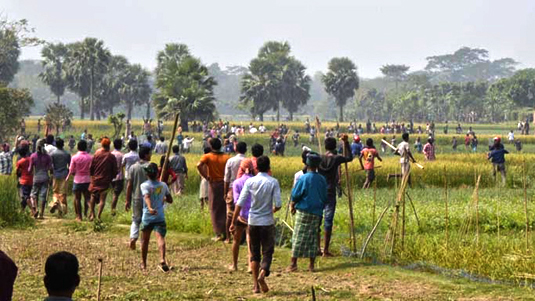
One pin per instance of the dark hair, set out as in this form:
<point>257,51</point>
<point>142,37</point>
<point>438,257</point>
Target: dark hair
<point>369,142</point>
<point>241,147</point>
<point>162,139</point>
<point>257,150</point>
<point>149,137</point>
<point>405,136</point>
<point>23,151</point>
<point>330,144</point>
<point>144,151</point>
<point>153,174</point>
<point>118,144</point>
<point>61,272</point>
<point>82,145</point>
<point>50,139</point>
<point>206,150</point>
<point>304,156</point>
<point>132,144</point>
<point>215,144</point>
<point>176,149</point>
<point>60,143</point>
<point>262,163</point>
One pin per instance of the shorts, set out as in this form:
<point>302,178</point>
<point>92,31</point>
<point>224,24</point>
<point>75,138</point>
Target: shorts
<point>25,191</point>
<point>39,191</point>
<point>159,227</point>
<point>328,212</point>
<point>499,166</point>
<point>83,187</point>
<point>370,175</point>
<point>117,186</point>
<point>96,193</point>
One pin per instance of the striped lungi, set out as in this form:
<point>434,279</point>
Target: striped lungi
<point>218,207</point>
<point>305,236</point>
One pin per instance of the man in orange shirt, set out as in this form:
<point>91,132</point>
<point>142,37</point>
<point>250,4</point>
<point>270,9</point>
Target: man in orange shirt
<point>212,168</point>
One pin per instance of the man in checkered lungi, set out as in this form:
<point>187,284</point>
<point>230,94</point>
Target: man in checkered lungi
<point>309,196</point>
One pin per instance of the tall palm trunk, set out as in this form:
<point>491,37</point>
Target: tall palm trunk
<point>129,111</point>
<point>278,111</point>
<point>91,100</point>
<point>148,110</point>
<point>341,113</point>
<point>82,112</point>
<point>58,98</point>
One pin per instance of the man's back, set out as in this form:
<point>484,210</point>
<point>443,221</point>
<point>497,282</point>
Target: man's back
<point>265,192</point>
<point>137,175</point>
<point>60,160</point>
<point>178,163</point>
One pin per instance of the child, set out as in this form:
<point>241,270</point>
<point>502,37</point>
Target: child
<point>308,200</point>
<point>153,217</point>
<point>203,191</point>
<point>518,145</point>
<point>369,153</point>
<point>475,142</point>
<point>418,145</point>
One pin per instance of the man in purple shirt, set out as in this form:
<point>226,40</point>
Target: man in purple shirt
<point>79,168</point>
<point>41,166</point>
<point>246,168</point>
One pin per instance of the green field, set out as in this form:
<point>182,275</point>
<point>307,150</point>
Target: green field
<point>477,249</point>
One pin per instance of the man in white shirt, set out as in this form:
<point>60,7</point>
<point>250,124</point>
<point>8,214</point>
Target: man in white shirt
<point>262,128</point>
<point>161,147</point>
<point>186,144</point>
<point>231,172</point>
<point>49,145</point>
<point>404,151</point>
<point>265,200</point>
<point>511,137</point>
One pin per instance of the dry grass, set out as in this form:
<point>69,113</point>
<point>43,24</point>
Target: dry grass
<point>200,271</point>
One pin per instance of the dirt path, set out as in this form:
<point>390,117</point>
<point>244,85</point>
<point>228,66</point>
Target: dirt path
<point>200,271</point>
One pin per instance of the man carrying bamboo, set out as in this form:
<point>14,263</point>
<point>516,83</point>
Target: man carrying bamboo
<point>404,151</point>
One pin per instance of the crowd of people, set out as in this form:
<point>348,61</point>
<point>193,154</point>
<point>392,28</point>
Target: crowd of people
<point>240,191</point>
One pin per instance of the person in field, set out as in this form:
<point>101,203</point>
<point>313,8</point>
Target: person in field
<point>118,183</point>
<point>302,171</point>
<point>265,200</point>
<point>467,141</point>
<point>418,145</point>
<point>240,217</point>
<point>511,137</point>
<point>103,170</point>
<point>329,168</point>
<point>204,185</point>
<point>134,198</point>
<point>155,193</point>
<point>60,161</point>
<point>41,166</point>
<point>309,197</point>
<point>131,157</point>
<point>61,276</point>
<point>179,165</point>
<point>72,143</point>
<point>169,176</point>
<point>454,143</point>
<point>356,146</point>
<point>474,143</point>
<point>404,151</point>
<point>161,147</point>
<point>497,157</point>
<point>24,176</point>
<point>369,153</point>
<point>231,172</point>
<point>212,167</point>
<point>429,150</point>
<point>80,168</point>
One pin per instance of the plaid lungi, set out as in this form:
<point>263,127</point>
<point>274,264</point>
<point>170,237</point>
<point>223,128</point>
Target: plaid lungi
<point>305,236</point>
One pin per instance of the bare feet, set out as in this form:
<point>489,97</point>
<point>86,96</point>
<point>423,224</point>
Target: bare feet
<point>132,244</point>
<point>291,269</point>
<point>232,268</point>
<point>262,282</point>
<point>311,268</point>
<point>78,219</point>
<point>91,217</point>
<point>327,254</point>
<point>256,290</point>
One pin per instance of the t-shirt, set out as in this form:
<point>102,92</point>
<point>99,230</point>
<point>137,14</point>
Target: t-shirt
<point>26,177</point>
<point>103,170</point>
<point>128,160</point>
<point>157,191</point>
<point>178,164</point>
<point>497,156</point>
<point>136,174</point>
<point>369,155</point>
<point>237,187</point>
<point>216,165</point>
<point>119,157</point>
<point>41,163</point>
<point>60,160</point>
<point>310,193</point>
<point>297,176</point>
<point>403,150</point>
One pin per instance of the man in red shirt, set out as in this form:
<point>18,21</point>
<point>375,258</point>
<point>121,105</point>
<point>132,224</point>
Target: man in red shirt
<point>25,176</point>
<point>103,170</point>
<point>369,153</point>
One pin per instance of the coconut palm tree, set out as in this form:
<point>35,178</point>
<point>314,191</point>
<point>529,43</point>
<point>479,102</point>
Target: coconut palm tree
<point>341,81</point>
<point>54,74</point>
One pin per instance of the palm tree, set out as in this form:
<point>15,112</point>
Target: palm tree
<point>295,86</point>
<point>341,81</point>
<point>54,75</point>
<point>135,89</point>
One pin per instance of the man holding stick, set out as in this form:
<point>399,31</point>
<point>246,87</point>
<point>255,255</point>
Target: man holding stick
<point>329,167</point>
<point>404,151</point>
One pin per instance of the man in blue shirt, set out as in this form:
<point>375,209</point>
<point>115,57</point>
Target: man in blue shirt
<point>265,200</point>
<point>308,201</point>
<point>497,157</point>
<point>356,147</point>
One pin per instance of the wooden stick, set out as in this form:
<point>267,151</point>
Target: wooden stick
<point>477,208</point>
<point>350,200</point>
<point>394,148</point>
<point>99,277</point>
<point>313,293</point>
<point>285,219</point>
<point>365,245</point>
<point>163,175</point>
<point>318,127</point>
<point>526,203</point>
<point>413,208</point>
<point>285,223</point>
<point>446,213</point>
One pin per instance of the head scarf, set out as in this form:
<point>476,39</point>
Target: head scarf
<point>246,164</point>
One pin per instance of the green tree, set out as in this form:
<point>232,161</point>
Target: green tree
<point>184,86</point>
<point>522,88</point>
<point>341,81</point>
<point>54,74</point>
<point>15,104</point>
<point>58,114</point>
<point>77,75</point>
<point>396,73</point>
<point>295,86</point>
<point>135,89</point>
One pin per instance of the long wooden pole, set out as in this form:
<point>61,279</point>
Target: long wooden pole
<point>394,148</point>
<point>100,261</point>
<point>350,199</point>
<point>318,127</point>
<point>163,175</point>
<point>525,203</point>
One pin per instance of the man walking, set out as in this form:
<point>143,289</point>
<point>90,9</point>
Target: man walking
<point>79,168</point>
<point>60,161</point>
<point>231,172</point>
<point>103,170</point>
<point>212,167</point>
<point>118,183</point>
<point>178,163</point>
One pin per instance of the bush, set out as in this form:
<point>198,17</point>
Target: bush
<point>10,210</point>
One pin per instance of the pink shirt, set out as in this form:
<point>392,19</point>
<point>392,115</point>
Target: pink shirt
<point>80,164</point>
<point>119,157</point>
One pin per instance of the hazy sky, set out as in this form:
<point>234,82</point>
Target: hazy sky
<point>370,32</point>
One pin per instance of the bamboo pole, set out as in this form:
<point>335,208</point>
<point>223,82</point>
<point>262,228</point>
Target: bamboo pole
<point>476,196</point>
<point>350,200</point>
<point>525,202</point>
<point>100,261</point>
<point>446,213</point>
<point>163,175</point>
<point>318,127</point>
<point>365,245</point>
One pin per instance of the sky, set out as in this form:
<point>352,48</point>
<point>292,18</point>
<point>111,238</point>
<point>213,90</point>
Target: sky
<point>372,33</point>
